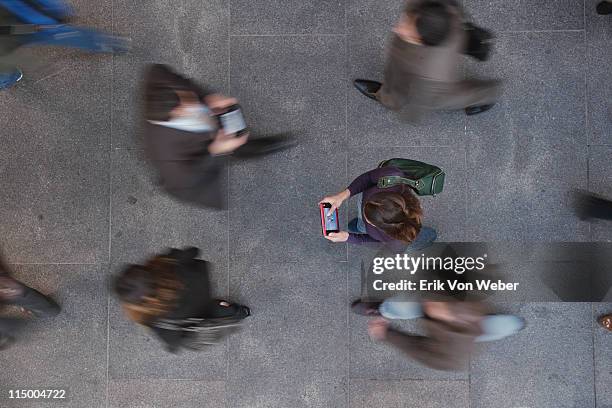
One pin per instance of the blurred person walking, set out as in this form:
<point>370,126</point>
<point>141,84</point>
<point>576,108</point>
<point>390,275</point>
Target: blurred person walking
<point>44,22</point>
<point>30,301</point>
<point>451,329</point>
<point>171,295</point>
<point>422,72</point>
<point>184,139</point>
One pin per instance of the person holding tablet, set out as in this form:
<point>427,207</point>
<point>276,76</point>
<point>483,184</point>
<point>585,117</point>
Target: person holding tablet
<point>391,215</point>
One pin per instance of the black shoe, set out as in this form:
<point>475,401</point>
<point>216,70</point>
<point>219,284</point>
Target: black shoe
<point>365,308</point>
<point>475,110</point>
<point>604,7</point>
<point>366,87</point>
<point>244,312</point>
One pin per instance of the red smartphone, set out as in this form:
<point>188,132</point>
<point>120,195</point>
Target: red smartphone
<point>329,220</point>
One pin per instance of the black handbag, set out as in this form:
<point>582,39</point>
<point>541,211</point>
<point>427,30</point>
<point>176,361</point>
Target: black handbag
<point>200,333</point>
<point>479,42</point>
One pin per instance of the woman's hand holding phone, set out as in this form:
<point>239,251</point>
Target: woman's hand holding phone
<point>341,236</point>
<point>336,201</point>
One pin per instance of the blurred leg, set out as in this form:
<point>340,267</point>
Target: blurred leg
<point>81,38</point>
<point>425,238</point>
<point>397,309</point>
<point>497,327</point>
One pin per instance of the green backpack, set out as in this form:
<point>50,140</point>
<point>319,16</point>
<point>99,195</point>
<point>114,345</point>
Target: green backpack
<point>424,178</point>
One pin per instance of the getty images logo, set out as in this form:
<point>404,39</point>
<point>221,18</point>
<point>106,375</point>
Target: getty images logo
<point>411,264</point>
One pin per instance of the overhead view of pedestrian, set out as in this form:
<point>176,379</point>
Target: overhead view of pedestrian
<point>423,71</point>
<point>203,185</point>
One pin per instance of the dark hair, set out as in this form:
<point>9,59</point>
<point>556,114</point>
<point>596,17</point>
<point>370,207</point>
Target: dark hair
<point>148,291</point>
<point>433,22</point>
<point>160,100</point>
<point>397,214</point>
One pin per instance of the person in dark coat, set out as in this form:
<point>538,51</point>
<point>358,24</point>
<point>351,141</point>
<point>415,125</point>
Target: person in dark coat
<point>184,141</point>
<point>422,71</point>
<point>173,286</point>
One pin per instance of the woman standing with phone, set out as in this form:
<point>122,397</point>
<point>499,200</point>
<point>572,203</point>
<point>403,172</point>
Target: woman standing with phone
<point>390,215</point>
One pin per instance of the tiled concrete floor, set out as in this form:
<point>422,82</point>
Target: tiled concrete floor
<point>79,200</point>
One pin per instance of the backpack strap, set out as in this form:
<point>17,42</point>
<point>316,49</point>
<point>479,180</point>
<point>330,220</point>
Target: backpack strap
<point>391,181</point>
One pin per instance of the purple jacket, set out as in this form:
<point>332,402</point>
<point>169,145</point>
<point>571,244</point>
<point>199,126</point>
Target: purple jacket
<point>366,184</point>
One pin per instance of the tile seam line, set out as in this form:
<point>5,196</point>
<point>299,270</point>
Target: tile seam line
<point>287,35</point>
<point>55,263</point>
<point>542,31</point>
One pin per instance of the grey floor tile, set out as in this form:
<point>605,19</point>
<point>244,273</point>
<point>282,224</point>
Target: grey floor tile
<point>297,307</point>
<point>369,123</point>
<point>190,36</point>
<point>293,350</point>
<point>64,98</point>
<point>406,394</point>
<point>146,220</point>
<point>599,89</point>
<point>314,391</point>
<point>295,83</point>
<point>502,15</point>
<point>166,394</point>
<point>274,213</point>
<point>445,212</point>
<point>603,364</point>
<point>528,152</point>
<point>600,182</point>
<point>56,203</point>
<point>548,364</point>
<point>66,352</point>
<point>287,17</point>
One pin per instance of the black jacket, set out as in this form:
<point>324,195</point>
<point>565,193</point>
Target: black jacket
<point>194,299</point>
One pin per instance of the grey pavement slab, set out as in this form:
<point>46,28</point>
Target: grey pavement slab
<point>63,98</point>
<point>600,182</point>
<point>294,83</point>
<point>368,393</point>
<point>299,391</point>
<point>56,204</point>
<point>599,88</point>
<point>147,220</point>
<point>369,123</point>
<point>529,151</point>
<point>287,17</point>
<point>166,394</point>
<point>445,212</point>
<point>68,351</point>
<point>500,15</point>
<point>190,36</point>
<point>274,213</point>
<point>603,364</point>
<point>293,350</point>
<point>549,363</point>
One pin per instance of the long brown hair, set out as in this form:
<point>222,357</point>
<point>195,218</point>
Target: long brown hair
<point>150,291</point>
<point>396,214</point>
